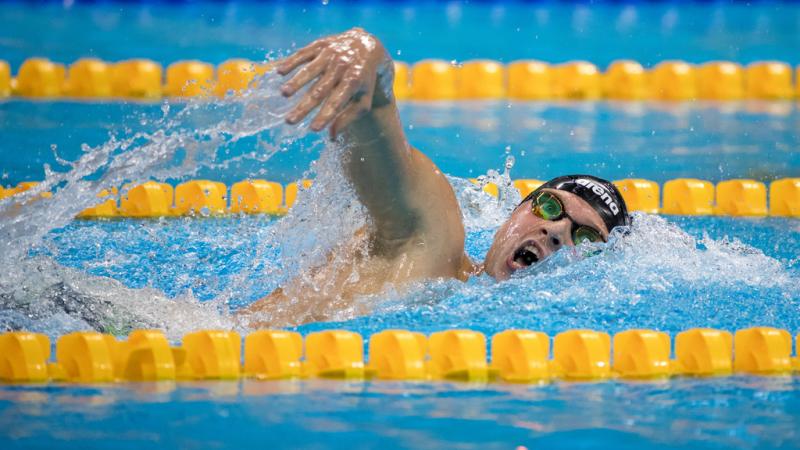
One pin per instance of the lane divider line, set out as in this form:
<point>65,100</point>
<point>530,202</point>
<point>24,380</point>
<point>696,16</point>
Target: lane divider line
<point>427,80</point>
<point>517,356</point>
<point>682,196</point>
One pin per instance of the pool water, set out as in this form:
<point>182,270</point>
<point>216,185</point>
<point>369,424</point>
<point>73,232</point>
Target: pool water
<point>717,413</point>
<point>183,274</point>
<point>709,272</point>
<point>655,141</point>
<point>554,31</point>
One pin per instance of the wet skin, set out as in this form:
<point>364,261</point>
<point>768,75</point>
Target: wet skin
<point>416,227</point>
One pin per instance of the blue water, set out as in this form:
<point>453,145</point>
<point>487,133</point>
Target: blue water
<point>549,30</point>
<point>738,412</point>
<point>207,257</point>
<point>181,274</point>
<point>656,141</point>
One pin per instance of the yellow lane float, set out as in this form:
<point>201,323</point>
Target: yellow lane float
<point>576,80</point>
<point>625,80</point>
<point>189,79</point>
<point>525,187</point>
<point>482,80</point>
<point>521,356</point>
<point>489,188</point>
<point>335,354</point>
<point>582,355</point>
<point>256,196</point>
<point>762,351</point>
<point>137,79</point>
<point>769,80</point>
<point>642,354</point>
<point>86,356</point>
<point>682,196</point>
<point>144,356</point>
<point>741,198</point>
<point>434,79</point>
<point>39,77</point>
<point>704,352</point>
<point>24,357</point>
<point>5,79</point>
<point>200,197</point>
<point>430,79</point>
<point>529,80</point>
<point>273,354</point>
<point>211,354</point>
<point>398,355</point>
<point>150,199</point>
<point>402,87</point>
<point>640,195</point>
<point>673,80</point>
<point>458,355</point>
<point>784,197</point>
<point>688,196</point>
<point>235,76</point>
<point>88,78</point>
<point>517,356</point>
<point>720,80</point>
<point>106,209</point>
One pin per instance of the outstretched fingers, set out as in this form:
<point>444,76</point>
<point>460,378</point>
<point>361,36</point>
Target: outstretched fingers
<point>305,75</point>
<point>351,89</point>
<point>321,89</point>
<point>302,56</point>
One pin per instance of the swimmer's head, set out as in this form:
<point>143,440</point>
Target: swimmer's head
<point>560,212</point>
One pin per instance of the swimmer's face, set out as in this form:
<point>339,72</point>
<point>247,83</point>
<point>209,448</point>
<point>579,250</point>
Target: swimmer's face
<point>526,239</point>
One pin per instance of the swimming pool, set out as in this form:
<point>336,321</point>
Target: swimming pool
<point>182,274</point>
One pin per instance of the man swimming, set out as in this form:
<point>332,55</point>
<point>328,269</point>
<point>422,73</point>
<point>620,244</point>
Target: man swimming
<point>416,229</point>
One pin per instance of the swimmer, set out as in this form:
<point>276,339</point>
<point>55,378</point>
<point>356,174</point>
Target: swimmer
<point>416,230</point>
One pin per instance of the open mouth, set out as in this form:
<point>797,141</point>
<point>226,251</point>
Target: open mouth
<point>525,256</point>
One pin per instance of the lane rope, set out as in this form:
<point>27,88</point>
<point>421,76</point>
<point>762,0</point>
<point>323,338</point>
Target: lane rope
<point>682,196</point>
<point>433,79</point>
<point>518,356</point>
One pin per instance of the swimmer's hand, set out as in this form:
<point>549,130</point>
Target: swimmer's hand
<point>353,74</point>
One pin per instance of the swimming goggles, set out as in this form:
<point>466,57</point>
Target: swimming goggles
<point>549,207</point>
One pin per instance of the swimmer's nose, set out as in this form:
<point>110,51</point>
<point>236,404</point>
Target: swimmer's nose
<point>555,235</point>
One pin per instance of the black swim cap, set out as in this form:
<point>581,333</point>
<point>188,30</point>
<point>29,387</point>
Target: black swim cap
<point>602,195</point>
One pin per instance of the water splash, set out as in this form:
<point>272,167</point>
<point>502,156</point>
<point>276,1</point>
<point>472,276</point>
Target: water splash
<point>657,276</point>
<point>176,145</point>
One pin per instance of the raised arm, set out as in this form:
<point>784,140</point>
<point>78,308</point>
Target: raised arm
<point>351,77</point>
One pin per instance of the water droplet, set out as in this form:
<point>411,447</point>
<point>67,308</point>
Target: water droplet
<point>510,162</point>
